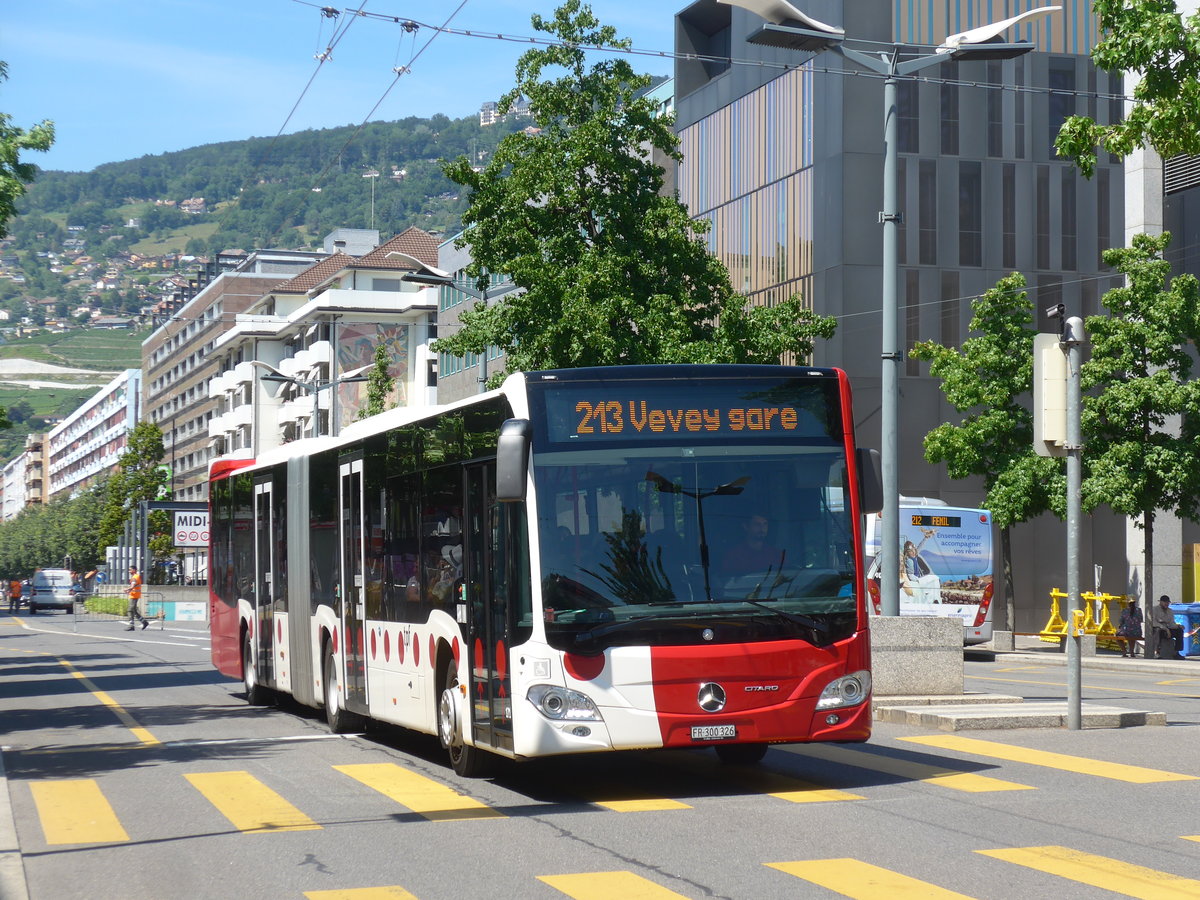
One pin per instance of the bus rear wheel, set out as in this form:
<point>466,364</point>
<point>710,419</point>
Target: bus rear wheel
<point>741,754</point>
<point>256,694</point>
<point>468,761</point>
<point>341,720</point>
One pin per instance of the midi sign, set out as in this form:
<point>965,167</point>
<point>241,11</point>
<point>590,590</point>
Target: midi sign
<point>191,528</point>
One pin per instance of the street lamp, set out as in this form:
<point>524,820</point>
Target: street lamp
<point>314,388</point>
<point>373,174</point>
<point>790,28</point>
<point>471,289</point>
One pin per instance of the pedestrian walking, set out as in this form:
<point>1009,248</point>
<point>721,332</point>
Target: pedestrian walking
<point>135,595</point>
<point>14,595</point>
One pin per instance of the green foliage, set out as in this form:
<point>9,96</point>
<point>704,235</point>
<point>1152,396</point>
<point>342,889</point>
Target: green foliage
<point>47,535</point>
<point>1149,38</point>
<point>379,384</point>
<point>1140,373</point>
<point>985,380</point>
<point>613,271</point>
<point>14,174</point>
<point>138,477</point>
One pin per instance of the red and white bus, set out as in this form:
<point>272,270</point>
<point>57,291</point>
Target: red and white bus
<point>582,560</point>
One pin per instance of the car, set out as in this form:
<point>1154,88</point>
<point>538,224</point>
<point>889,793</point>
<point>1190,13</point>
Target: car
<point>51,589</point>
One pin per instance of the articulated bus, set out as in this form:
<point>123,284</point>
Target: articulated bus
<point>581,560</point>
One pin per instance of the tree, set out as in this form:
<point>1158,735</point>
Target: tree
<point>1150,38</point>
<point>379,383</point>
<point>984,380</point>
<point>138,477</point>
<point>14,174</point>
<point>1141,427</point>
<point>572,211</point>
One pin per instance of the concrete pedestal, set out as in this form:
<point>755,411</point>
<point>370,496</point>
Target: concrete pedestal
<point>916,655</point>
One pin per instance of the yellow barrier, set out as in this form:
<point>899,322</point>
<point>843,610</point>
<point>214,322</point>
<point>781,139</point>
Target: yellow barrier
<point>1085,619</point>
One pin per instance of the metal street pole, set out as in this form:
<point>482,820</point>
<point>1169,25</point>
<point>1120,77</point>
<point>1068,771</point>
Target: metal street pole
<point>1071,339</point>
<point>889,568</point>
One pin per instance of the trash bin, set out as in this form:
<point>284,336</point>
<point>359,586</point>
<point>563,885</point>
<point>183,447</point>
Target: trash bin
<point>1188,615</point>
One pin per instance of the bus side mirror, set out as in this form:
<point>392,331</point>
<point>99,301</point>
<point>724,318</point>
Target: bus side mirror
<point>870,480</point>
<point>512,460</point>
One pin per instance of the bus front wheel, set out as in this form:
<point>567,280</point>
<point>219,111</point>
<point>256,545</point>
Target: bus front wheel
<point>468,761</point>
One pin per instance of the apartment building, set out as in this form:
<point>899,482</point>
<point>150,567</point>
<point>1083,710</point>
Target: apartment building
<point>88,443</point>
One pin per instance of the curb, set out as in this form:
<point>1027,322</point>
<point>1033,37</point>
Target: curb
<point>12,870</point>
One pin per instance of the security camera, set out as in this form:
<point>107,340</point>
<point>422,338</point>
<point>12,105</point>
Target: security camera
<point>1053,312</point>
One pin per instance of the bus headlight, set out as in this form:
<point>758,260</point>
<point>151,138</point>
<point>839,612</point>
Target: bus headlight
<point>849,690</point>
<point>559,703</point>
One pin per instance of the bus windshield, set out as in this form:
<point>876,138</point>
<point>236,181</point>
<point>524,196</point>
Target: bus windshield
<point>722,544</point>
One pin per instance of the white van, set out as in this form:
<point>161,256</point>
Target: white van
<point>51,589</point>
<point>948,569</point>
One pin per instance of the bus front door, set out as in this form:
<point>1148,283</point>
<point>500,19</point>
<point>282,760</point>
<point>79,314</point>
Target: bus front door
<point>485,599</point>
<point>350,584</point>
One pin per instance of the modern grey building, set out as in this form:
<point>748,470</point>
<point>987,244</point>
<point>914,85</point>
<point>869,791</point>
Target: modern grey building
<point>783,155</point>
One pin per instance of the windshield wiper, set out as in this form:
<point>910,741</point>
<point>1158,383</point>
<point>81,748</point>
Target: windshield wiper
<point>592,633</point>
<point>792,617</point>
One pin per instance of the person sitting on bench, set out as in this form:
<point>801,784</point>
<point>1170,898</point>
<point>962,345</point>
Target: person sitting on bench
<point>1162,620</point>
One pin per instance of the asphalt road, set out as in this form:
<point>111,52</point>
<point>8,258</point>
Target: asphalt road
<point>135,771</point>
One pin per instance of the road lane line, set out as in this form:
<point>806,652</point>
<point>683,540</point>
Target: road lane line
<point>424,796</point>
<point>954,779</point>
<point>1080,765</point>
<point>1100,871</point>
<point>76,812</point>
<point>142,734</point>
<point>390,892</point>
<point>249,804</point>
<point>608,886</point>
<point>863,881</point>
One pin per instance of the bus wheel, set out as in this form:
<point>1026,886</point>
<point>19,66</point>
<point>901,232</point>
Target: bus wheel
<point>468,762</point>
<point>340,720</point>
<point>256,694</point>
<point>741,754</point>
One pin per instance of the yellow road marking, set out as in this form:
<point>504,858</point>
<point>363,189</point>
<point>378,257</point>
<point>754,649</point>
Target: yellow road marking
<point>953,779</point>
<point>1079,764</point>
<point>608,886</point>
<point>1090,687</point>
<point>391,892</point>
<point>1100,871</point>
<point>249,804</point>
<point>76,812</point>
<point>644,804</point>
<point>422,795</point>
<point>853,878</point>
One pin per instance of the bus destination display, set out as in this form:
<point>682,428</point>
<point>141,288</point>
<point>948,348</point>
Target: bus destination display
<point>937,521</point>
<point>579,416</point>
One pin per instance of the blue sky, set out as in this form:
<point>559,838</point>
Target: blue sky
<point>134,77</point>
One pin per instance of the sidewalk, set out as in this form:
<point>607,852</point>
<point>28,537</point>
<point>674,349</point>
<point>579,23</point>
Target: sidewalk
<point>1051,654</point>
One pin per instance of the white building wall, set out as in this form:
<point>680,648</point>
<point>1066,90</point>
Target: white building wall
<point>88,443</point>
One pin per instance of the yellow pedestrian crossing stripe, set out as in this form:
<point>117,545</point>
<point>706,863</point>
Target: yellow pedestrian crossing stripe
<point>861,880</point>
<point>76,812</point>
<point>249,804</point>
<point>941,776</point>
<point>424,796</point>
<point>1081,765</point>
<point>1100,871</point>
<point>608,886</point>
<point>391,892</point>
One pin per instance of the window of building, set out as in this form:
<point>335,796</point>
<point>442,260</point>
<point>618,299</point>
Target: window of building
<point>908,113</point>
<point>912,319</point>
<point>1008,214</point>
<point>927,212</point>
<point>995,108</point>
<point>1103,213</point>
<point>1070,229</point>
<point>1062,95</point>
<point>1042,214</point>
<point>1019,107</point>
<point>970,214</point>
<point>902,206</point>
<point>951,302</point>
<point>385,284</point>
<point>949,108</point>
